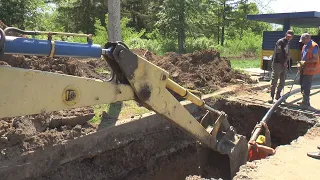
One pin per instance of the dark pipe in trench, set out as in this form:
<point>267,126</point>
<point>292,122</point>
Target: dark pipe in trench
<point>257,131</point>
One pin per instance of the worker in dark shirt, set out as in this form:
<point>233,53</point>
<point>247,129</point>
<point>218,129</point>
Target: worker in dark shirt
<point>280,59</point>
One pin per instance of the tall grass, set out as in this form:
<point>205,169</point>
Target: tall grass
<point>248,44</point>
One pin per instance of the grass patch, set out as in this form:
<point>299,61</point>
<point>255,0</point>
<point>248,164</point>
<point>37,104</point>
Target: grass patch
<point>118,110</point>
<point>247,63</point>
<point>102,70</point>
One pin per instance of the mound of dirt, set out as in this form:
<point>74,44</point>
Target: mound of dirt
<point>21,135</point>
<point>202,70</point>
<point>71,66</point>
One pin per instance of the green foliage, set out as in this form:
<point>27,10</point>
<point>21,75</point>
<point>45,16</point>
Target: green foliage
<point>193,44</point>
<point>128,34</point>
<point>21,13</point>
<point>245,63</point>
<point>299,31</point>
<point>157,25</point>
<point>250,43</point>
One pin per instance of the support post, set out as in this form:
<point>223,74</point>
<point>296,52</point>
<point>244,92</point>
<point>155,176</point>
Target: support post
<point>286,25</point>
<point>114,33</point>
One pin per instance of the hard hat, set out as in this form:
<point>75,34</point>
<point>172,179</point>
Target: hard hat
<point>261,139</point>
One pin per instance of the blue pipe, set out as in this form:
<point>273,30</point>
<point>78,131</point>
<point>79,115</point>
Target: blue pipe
<point>29,46</point>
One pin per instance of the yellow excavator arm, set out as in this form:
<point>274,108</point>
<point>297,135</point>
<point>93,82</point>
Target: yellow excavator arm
<point>27,92</point>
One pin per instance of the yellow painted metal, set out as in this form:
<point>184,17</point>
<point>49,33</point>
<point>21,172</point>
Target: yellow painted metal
<point>149,76</point>
<point>295,55</point>
<point>63,34</point>
<point>184,92</point>
<point>25,92</point>
<point>53,49</point>
<point>267,53</point>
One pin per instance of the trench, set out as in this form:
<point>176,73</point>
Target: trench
<point>166,152</point>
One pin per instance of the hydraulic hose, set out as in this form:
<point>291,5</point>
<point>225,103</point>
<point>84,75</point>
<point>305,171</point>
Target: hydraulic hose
<point>2,40</point>
<point>8,29</point>
<point>267,116</point>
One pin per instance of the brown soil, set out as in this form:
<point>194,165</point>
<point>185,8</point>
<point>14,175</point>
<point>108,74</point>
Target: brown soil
<point>21,135</point>
<point>70,66</point>
<point>151,149</point>
<point>163,151</point>
<point>203,70</point>
<point>244,116</point>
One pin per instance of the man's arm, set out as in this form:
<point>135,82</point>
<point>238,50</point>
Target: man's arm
<point>268,150</point>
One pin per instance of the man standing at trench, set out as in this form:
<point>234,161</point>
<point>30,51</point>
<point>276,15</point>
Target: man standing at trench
<point>308,67</point>
<point>280,60</point>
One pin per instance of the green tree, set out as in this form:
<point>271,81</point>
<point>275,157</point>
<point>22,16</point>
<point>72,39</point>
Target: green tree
<point>175,19</point>
<point>240,24</point>
<point>20,13</point>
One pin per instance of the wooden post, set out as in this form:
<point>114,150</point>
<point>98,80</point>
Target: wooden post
<point>114,33</point>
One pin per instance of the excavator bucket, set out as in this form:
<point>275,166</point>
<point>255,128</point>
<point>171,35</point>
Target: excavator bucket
<point>230,151</point>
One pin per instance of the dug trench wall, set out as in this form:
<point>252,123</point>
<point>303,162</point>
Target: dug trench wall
<point>133,150</point>
<point>149,147</point>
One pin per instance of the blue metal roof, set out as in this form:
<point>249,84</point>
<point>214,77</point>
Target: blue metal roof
<point>297,19</point>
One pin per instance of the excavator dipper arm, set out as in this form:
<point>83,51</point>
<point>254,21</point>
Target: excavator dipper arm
<point>150,83</point>
<point>27,92</point>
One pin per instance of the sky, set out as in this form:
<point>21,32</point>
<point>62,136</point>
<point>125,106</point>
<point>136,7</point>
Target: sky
<point>278,6</point>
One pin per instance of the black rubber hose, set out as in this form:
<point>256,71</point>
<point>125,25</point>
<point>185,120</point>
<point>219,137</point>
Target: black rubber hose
<point>267,116</point>
<point>2,40</point>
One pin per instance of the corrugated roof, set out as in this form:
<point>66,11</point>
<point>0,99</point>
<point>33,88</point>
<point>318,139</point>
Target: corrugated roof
<point>298,19</point>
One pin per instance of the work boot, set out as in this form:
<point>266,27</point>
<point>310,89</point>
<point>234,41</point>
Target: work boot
<point>270,101</point>
<point>278,96</point>
<point>307,107</point>
<point>271,98</point>
<point>315,155</point>
<point>302,102</point>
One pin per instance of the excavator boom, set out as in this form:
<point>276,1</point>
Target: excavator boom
<point>26,92</point>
